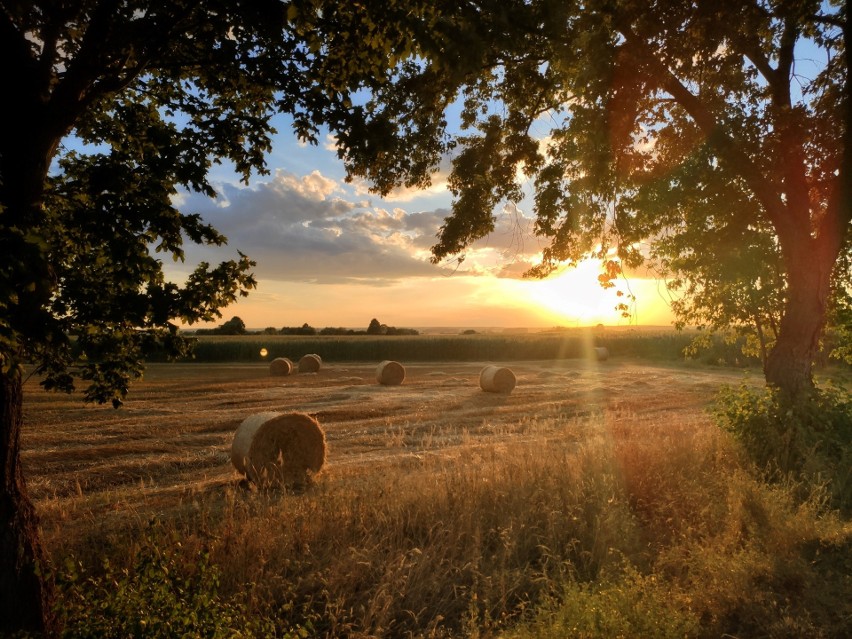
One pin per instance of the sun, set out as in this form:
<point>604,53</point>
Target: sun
<point>575,296</point>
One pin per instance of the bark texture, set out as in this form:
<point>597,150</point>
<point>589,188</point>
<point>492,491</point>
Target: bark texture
<point>26,596</point>
<point>789,366</point>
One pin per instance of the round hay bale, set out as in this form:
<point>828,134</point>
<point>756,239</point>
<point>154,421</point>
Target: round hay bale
<point>390,373</point>
<point>497,379</point>
<point>281,366</point>
<point>601,353</point>
<point>279,448</point>
<point>310,363</point>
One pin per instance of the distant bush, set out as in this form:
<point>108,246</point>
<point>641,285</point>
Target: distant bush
<point>377,328</point>
<point>393,330</point>
<point>339,330</point>
<point>234,326</point>
<point>304,329</point>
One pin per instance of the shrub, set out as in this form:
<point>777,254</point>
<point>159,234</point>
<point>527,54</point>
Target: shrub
<point>155,598</point>
<point>624,604</point>
<point>807,440</point>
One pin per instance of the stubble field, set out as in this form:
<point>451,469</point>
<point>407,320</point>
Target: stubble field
<point>598,499</point>
<point>171,441</point>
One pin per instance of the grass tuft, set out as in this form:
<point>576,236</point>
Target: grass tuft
<point>642,529</point>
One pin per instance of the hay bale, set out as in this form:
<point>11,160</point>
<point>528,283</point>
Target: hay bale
<point>497,379</point>
<point>279,448</point>
<point>281,366</point>
<point>601,353</point>
<point>390,373</point>
<point>310,363</point>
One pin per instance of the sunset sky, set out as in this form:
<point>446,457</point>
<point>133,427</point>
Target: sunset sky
<point>332,254</point>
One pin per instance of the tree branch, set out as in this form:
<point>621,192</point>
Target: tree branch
<point>91,77</point>
<point>83,70</point>
<point>831,21</point>
<point>749,46</point>
<point>834,225</point>
<point>790,132</point>
<point>728,148</point>
<point>16,54</point>
<point>785,61</point>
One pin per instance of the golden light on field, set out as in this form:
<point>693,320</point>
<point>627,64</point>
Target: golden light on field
<point>264,352</point>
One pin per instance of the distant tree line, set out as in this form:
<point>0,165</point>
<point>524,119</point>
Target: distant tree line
<point>236,326</point>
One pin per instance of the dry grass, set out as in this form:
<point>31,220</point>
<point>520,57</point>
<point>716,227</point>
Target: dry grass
<point>445,511</point>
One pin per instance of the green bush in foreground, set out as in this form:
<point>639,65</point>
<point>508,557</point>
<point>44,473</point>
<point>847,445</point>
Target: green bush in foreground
<point>156,598</point>
<point>809,440</point>
<point>624,604</point>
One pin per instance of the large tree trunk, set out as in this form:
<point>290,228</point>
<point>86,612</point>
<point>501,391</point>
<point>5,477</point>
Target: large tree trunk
<point>789,366</point>
<point>26,595</point>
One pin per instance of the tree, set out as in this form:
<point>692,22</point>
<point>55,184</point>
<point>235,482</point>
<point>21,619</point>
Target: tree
<point>375,328</point>
<point>689,126</point>
<point>307,329</point>
<point>234,326</point>
<point>154,92</point>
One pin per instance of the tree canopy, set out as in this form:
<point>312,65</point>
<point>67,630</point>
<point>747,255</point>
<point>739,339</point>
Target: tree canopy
<point>709,141</point>
<point>234,326</point>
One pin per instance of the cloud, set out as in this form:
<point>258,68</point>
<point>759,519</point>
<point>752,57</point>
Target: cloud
<point>508,251</point>
<point>515,269</point>
<point>312,228</point>
<point>306,228</point>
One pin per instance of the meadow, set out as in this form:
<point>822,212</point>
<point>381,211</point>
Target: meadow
<point>598,499</point>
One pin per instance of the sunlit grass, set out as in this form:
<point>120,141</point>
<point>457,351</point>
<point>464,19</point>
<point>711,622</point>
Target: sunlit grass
<point>603,526</point>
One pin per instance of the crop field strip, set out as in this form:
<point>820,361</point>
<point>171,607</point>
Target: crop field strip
<point>649,343</point>
<point>171,440</point>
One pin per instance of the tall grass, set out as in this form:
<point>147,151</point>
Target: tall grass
<point>602,527</point>
<point>653,346</point>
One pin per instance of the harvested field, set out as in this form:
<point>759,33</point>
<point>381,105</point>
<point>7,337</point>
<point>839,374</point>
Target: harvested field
<point>171,440</point>
<point>441,509</point>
